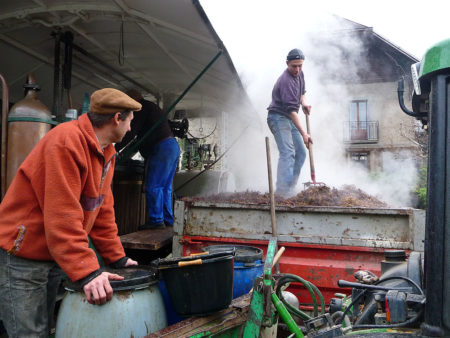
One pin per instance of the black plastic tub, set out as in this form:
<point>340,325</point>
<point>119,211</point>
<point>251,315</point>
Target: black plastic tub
<point>248,265</point>
<point>199,285</point>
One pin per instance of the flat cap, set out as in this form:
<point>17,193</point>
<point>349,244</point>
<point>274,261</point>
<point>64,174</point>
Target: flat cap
<point>110,100</point>
<point>295,54</point>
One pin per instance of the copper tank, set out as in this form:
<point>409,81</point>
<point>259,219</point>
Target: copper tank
<point>25,128</point>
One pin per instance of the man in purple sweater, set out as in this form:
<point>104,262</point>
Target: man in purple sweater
<point>288,95</point>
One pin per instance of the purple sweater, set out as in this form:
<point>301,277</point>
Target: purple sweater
<point>286,93</point>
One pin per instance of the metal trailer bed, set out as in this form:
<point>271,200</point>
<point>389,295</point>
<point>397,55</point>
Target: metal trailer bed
<point>323,244</point>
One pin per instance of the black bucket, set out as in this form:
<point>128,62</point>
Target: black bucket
<point>199,285</point>
<point>248,265</point>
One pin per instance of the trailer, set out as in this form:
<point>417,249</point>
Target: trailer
<point>323,244</point>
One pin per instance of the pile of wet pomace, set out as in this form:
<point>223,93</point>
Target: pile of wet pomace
<point>346,196</point>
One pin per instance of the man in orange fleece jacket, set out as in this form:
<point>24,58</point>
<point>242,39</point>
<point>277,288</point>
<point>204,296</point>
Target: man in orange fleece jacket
<point>61,194</point>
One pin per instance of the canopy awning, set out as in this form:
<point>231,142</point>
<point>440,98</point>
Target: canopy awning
<point>157,46</point>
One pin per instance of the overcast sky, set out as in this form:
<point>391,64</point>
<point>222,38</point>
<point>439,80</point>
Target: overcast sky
<point>412,25</point>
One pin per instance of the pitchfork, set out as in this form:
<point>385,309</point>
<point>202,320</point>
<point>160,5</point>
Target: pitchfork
<point>311,160</point>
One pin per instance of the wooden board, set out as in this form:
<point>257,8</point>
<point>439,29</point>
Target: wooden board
<point>153,239</point>
<point>222,321</point>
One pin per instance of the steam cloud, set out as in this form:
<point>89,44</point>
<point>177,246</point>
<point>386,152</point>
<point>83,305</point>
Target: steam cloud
<point>258,46</point>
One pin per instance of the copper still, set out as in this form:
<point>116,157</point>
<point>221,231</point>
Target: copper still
<point>28,122</point>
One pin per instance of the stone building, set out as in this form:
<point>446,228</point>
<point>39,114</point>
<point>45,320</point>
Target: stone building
<point>373,127</point>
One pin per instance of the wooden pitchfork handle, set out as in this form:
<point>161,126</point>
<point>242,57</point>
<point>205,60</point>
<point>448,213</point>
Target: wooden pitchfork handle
<point>193,262</point>
<point>310,148</point>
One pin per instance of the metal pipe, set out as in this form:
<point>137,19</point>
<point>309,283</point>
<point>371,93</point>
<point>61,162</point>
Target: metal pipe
<point>56,74</point>
<point>400,91</point>
<point>172,106</point>
<point>67,67</point>
<point>5,108</point>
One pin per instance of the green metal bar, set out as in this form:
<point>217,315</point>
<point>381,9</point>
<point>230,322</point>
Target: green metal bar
<point>134,147</point>
<point>286,316</point>
<point>295,311</point>
<point>253,324</point>
<point>31,119</point>
<point>270,255</point>
<point>256,312</point>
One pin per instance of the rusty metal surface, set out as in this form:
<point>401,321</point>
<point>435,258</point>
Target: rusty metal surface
<point>323,244</point>
<point>401,228</point>
<point>328,209</point>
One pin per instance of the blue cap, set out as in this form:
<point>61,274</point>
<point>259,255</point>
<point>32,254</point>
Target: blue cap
<point>295,54</point>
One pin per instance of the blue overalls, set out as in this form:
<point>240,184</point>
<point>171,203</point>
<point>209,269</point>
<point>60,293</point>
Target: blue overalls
<point>161,166</point>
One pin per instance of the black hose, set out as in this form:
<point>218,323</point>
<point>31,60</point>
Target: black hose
<point>336,317</point>
<point>403,278</point>
<point>400,90</point>
<point>347,309</point>
<point>387,326</point>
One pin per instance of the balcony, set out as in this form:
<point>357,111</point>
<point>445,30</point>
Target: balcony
<point>361,131</point>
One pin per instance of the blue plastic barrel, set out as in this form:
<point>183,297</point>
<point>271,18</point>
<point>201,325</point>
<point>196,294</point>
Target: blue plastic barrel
<point>248,265</point>
<point>172,316</point>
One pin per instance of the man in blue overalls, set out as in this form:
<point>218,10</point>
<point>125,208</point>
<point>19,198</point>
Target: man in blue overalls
<point>161,152</point>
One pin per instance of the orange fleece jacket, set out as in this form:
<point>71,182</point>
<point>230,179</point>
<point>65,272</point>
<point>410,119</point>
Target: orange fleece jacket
<point>60,195</point>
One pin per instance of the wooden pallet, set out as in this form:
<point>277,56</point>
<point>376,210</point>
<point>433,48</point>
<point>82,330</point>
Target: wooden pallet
<point>152,240</point>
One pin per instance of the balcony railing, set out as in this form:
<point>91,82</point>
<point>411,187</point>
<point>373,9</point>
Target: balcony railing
<point>361,131</point>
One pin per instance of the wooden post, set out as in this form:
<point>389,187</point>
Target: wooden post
<point>272,198</point>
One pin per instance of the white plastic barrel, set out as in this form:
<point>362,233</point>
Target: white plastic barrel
<point>134,311</point>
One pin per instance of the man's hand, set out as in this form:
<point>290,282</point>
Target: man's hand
<point>98,291</point>
<point>130,262</point>
<point>306,109</point>
<point>307,139</point>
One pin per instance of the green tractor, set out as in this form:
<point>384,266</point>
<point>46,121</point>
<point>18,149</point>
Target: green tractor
<point>431,104</point>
